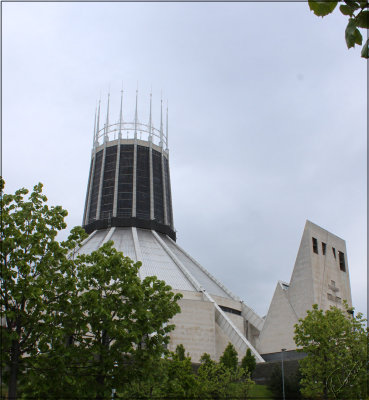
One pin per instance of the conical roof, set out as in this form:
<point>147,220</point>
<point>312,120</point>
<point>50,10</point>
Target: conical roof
<point>162,257</point>
<point>159,255</point>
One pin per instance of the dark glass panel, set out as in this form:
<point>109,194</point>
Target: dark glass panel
<point>143,183</point>
<point>125,181</point>
<point>158,186</point>
<point>106,211</point>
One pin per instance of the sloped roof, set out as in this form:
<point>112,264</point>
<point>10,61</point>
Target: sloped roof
<point>163,258</point>
<point>143,245</point>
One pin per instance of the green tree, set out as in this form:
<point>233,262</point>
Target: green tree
<point>180,352</point>
<point>358,14</point>
<point>206,360</point>
<point>34,287</point>
<point>119,324</point>
<point>229,358</point>
<point>214,379</point>
<point>145,378</point>
<point>180,379</point>
<point>336,346</point>
<point>217,381</point>
<point>248,362</point>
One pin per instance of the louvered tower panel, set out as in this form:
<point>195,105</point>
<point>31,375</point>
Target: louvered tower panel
<point>129,181</point>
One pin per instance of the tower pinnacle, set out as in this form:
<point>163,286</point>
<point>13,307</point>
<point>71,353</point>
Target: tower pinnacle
<point>121,114</point>
<point>150,118</point>
<point>106,136</point>
<point>161,123</point>
<point>136,117</point>
<point>166,139</point>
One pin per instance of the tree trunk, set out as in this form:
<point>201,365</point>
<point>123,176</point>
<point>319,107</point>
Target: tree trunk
<point>14,366</point>
<point>100,379</point>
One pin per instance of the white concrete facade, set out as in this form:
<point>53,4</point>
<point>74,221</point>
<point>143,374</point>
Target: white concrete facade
<point>320,276</point>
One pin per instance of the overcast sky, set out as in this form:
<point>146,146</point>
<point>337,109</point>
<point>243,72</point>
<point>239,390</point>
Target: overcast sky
<point>267,122</point>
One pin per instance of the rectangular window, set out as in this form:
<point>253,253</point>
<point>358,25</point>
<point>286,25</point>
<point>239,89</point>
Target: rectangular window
<point>324,248</point>
<point>341,257</point>
<point>334,252</point>
<point>315,246</point>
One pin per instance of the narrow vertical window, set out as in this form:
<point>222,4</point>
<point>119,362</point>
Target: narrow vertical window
<point>341,257</point>
<point>324,248</point>
<point>334,252</point>
<point>315,246</point>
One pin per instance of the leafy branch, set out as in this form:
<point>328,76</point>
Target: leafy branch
<point>356,10</point>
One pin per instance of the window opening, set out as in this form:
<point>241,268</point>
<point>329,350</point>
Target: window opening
<point>334,252</point>
<point>341,257</point>
<point>315,246</point>
<point>324,248</point>
<point>230,310</point>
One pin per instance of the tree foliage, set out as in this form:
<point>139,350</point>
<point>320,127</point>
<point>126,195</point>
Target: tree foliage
<point>75,327</point>
<point>229,358</point>
<point>35,284</point>
<point>358,17</point>
<point>336,345</point>
<point>119,323</point>
<point>81,326</point>
<point>223,380</point>
<point>174,377</point>
<point>248,362</point>
<point>168,377</point>
<point>180,379</point>
<point>180,352</point>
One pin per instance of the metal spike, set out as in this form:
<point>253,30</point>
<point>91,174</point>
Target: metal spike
<point>121,113</point>
<point>95,133</point>
<point>98,123</point>
<point>166,138</point>
<point>136,117</point>
<point>161,123</point>
<point>150,118</point>
<point>107,119</point>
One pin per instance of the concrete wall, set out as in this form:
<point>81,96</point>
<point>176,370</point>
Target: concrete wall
<point>278,328</point>
<point>316,279</point>
<point>195,329</point>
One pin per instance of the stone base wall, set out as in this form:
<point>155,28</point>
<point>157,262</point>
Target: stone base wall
<point>195,329</point>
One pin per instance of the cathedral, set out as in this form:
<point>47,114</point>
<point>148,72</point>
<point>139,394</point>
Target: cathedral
<point>129,201</point>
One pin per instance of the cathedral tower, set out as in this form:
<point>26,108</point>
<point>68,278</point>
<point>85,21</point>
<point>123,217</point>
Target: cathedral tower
<point>129,181</point>
<point>129,201</point>
<point>320,276</point>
